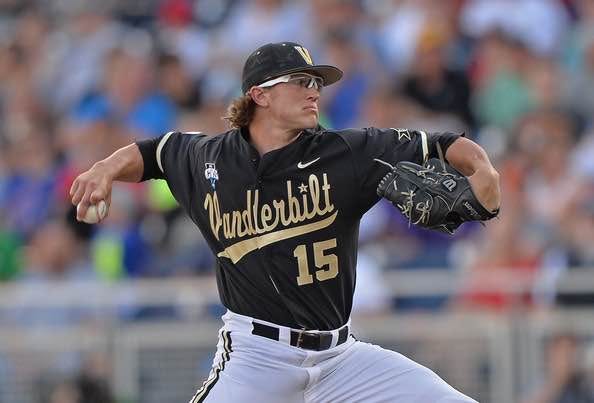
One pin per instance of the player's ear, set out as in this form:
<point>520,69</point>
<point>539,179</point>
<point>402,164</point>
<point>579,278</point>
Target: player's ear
<point>260,96</point>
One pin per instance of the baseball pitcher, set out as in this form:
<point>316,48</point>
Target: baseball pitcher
<point>279,199</point>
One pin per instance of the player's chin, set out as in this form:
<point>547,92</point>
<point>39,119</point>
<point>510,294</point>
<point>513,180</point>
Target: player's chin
<point>310,121</point>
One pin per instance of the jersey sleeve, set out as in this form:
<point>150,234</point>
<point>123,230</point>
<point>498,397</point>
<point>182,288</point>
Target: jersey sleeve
<point>173,157</point>
<point>374,150</point>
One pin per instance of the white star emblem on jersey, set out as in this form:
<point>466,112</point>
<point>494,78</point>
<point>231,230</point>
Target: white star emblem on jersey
<point>402,133</point>
<point>302,188</point>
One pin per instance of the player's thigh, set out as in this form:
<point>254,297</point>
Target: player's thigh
<point>252,370</point>
<point>369,373</point>
<point>229,389</point>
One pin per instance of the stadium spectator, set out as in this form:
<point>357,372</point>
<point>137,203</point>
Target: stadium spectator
<point>564,380</point>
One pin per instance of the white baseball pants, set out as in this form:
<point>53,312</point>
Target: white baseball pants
<point>251,368</point>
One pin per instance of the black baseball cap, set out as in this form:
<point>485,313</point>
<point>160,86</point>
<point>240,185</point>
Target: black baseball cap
<point>278,59</point>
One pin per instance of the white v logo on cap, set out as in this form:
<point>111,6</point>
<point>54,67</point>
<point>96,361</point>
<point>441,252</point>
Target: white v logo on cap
<point>305,54</point>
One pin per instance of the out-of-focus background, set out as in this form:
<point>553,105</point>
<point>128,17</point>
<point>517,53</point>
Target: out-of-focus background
<point>127,311</point>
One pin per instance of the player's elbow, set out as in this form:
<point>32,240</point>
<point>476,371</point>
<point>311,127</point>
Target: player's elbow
<point>495,187</point>
<point>486,184</point>
<point>468,157</point>
<point>490,175</point>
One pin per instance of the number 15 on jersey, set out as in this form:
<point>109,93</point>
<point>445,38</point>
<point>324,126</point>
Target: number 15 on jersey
<point>326,262</point>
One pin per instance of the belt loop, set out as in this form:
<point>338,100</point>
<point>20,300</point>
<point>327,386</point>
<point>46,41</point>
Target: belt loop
<point>334,339</point>
<point>284,335</point>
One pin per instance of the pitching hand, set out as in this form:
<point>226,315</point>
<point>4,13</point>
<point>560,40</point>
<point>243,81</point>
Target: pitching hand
<point>90,187</point>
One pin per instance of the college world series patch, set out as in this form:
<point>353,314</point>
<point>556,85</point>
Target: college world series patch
<point>211,174</point>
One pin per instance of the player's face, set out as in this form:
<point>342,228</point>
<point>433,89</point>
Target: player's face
<point>294,100</point>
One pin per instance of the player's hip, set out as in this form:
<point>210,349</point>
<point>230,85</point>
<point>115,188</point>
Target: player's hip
<point>255,361</point>
<point>281,342</point>
<point>247,368</point>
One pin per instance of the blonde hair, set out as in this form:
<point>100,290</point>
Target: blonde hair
<point>240,112</point>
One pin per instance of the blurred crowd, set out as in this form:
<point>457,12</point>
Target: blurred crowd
<point>80,78</point>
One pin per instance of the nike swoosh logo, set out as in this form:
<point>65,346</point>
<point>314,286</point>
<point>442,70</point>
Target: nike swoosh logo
<point>301,165</point>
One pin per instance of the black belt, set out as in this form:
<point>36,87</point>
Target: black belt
<point>308,340</point>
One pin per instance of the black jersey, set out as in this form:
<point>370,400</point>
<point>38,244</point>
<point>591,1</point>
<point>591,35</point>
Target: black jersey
<point>284,226</point>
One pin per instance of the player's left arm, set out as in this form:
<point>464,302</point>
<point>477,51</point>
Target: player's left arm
<point>471,160</point>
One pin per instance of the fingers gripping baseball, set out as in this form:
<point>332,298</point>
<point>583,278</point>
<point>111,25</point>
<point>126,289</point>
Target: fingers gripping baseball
<point>87,192</point>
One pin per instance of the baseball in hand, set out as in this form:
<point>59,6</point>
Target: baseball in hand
<point>95,212</point>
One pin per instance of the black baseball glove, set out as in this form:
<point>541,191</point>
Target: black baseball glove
<point>434,196</point>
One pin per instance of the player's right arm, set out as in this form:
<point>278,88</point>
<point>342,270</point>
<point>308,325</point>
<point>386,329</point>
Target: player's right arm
<point>171,157</point>
<point>94,185</point>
